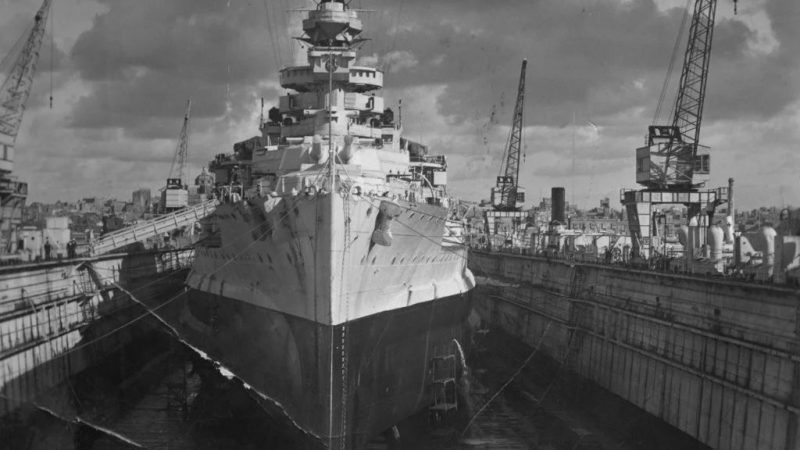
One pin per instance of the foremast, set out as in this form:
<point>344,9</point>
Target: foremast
<point>332,104</point>
<point>334,100</point>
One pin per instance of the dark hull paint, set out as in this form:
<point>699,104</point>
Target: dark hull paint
<point>382,376</point>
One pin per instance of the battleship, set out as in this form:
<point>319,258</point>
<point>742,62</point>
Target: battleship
<point>332,277</point>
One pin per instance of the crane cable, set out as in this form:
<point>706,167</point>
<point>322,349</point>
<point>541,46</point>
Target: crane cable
<point>395,22</point>
<point>52,51</point>
<point>657,117</point>
<point>285,36</point>
<point>272,35</point>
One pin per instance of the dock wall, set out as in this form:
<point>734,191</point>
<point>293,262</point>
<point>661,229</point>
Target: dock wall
<point>715,358</point>
<point>59,318</point>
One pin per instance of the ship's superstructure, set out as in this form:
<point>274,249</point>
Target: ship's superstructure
<point>333,272</point>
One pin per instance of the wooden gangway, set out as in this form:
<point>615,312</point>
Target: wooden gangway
<point>154,227</point>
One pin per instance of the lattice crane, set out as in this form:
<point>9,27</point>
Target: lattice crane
<point>174,196</point>
<point>673,158</point>
<point>507,195</point>
<point>18,69</point>
<point>178,167</point>
<point>16,87</point>
<point>673,166</point>
<point>506,216</point>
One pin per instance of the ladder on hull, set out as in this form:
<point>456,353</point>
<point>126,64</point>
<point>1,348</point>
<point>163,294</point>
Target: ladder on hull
<point>443,383</point>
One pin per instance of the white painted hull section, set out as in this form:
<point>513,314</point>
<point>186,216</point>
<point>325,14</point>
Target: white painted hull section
<point>312,256</point>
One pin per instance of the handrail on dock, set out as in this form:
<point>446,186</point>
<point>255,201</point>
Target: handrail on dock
<point>143,231</point>
<point>665,265</point>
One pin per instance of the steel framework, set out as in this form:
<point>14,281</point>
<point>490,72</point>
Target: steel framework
<point>673,156</point>
<point>508,183</point>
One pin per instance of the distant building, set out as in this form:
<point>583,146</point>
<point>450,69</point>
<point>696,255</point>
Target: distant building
<point>605,206</point>
<point>91,205</point>
<point>141,198</point>
<point>31,240</point>
<point>57,232</point>
<point>202,189</point>
<point>204,182</point>
<point>598,224</point>
<point>117,207</point>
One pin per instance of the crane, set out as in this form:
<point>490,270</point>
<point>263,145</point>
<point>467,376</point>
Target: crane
<point>673,158</point>
<point>14,92</point>
<point>176,170</point>
<point>507,195</point>
<point>673,165</point>
<point>175,195</point>
<point>16,87</point>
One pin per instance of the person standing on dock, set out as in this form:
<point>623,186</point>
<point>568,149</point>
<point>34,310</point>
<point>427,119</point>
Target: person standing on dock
<point>47,248</point>
<point>71,248</point>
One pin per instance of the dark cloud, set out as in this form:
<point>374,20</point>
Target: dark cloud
<point>575,52</point>
<point>150,107</point>
<point>454,64</point>
<point>143,59</point>
<point>597,58</point>
<point>756,85</point>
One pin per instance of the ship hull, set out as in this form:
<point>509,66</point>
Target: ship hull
<point>317,256</point>
<point>330,305</point>
<point>339,395</point>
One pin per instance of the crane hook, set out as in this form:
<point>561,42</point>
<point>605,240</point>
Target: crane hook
<point>735,7</point>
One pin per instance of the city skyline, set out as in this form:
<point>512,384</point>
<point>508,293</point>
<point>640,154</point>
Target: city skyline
<point>121,73</point>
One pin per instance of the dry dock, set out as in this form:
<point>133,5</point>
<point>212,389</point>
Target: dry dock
<point>712,357</point>
<point>59,318</point>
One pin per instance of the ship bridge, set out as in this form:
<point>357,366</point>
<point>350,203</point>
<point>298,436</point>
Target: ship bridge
<point>330,90</point>
<point>332,24</point>
<point>352,78</point>
<point>332,31</point>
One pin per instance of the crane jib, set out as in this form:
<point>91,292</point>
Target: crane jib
<point>507,195</point>
<point>673,158</point>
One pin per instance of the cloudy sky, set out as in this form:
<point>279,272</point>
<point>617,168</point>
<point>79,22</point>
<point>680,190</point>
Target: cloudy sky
<point>121,72</point>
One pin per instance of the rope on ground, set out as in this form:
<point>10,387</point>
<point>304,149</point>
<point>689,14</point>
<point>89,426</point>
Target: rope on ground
<point>78,420</point>
<point>513,376</point>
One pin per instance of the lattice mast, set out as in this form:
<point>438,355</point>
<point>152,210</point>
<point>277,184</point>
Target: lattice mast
<point>507,187</point>
<point>177,169</point>
<point>16,87</point>
<point>674,161</point>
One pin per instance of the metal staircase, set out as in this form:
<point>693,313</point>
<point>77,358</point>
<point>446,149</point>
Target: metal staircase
<point>143,231</point>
